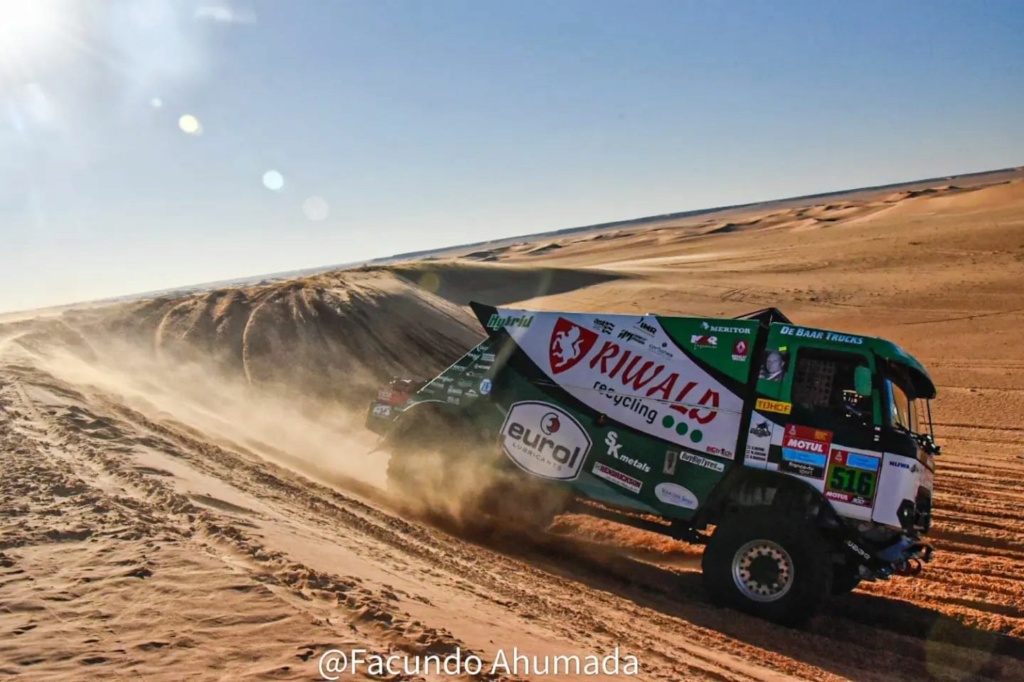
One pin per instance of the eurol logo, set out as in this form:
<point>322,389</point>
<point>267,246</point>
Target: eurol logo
<point>545,440</point>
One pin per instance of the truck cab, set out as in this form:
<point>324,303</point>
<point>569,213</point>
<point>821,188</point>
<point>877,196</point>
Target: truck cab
<point>849,415</point>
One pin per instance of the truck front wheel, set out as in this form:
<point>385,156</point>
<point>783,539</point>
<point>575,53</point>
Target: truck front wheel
<point>769,565</point>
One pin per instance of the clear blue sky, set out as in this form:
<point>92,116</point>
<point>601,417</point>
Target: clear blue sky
<point>430,123</point>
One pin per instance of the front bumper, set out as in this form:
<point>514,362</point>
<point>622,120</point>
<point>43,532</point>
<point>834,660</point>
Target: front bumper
<point>905,556</point>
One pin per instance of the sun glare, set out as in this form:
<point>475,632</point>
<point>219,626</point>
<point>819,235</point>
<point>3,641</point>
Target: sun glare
<point>27,25</point>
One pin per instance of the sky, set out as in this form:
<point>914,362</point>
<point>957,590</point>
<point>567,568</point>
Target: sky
<point>150,144</point>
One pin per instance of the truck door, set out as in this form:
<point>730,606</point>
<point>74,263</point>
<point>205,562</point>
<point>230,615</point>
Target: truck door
<point>829,433</point>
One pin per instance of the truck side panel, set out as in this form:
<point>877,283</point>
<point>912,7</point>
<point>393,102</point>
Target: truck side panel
<point>640,412</point>
<point>671,378</point>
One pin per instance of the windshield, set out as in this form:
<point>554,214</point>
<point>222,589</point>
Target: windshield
<point>902,409</point>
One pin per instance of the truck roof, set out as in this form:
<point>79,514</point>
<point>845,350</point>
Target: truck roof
<point>923,385</point>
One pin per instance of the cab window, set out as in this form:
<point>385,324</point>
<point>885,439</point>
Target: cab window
<point>901,410</point>
<point>823,381</point>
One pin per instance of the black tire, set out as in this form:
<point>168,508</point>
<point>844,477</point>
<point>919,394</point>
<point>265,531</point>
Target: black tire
<point>765,547</point>
<point>845,579</point>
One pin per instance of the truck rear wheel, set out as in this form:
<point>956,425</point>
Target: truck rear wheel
<point>444,465</point>
<point>769,565</point>
<point>425,447</point>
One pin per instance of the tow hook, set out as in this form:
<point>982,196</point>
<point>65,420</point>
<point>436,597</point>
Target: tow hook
<point>908,567</point>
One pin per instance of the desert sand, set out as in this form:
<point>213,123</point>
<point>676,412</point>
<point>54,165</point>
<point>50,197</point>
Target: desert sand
<point>187,490</point>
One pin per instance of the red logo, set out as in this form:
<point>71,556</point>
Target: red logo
<point>570,343</point>
<point>807,439</point>
<point>550,424</point>
<point>740,348</point>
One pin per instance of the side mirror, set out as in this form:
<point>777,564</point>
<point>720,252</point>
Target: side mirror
<point>862,381</point>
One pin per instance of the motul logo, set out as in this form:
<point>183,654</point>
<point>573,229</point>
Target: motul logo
<point>807,439</point>
<point>806,445</point>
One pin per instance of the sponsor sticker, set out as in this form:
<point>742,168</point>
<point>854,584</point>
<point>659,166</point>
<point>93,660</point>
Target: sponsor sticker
<point>759,442</point>
<point>617,477</point>
<point>702,461</point>
<point>805,451</point>
<point>776,406</point>
<point>761,429</point>
<point>545,440</point>
<point>741,350</point>
<point>704,341</point>
<point>615,452</point>
<point>661,350</point>
<point>671,459</point>
<point>852,478</point>
<point>820,335</point>
<point>908,466</point>
<point>664,394</point>
<point>497,321</point>
<point>646,327</point>
<point>603,326</point>
<point>628,335</point>
<point>724,329</point>
<point>570,343</point>
<point>676,495</point>
<point>485,387</point>
<point>382,410</point>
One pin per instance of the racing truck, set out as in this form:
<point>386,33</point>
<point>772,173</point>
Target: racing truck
<point>803,459</point>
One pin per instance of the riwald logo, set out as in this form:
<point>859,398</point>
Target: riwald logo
<point>570,343</point>
<point>545,441</point>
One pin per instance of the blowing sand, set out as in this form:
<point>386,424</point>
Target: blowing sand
<point>187,491</point>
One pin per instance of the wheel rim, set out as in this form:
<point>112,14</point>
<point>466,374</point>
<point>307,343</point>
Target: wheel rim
<point>763,570</point>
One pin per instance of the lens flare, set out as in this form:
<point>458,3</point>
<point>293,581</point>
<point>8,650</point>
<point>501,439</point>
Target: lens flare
<point>190,125</point>
<point>273,180</point>
<point>316,208</point>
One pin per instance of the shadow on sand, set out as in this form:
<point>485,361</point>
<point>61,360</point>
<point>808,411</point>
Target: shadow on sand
<point>499,284</point>
<point>858,636</point>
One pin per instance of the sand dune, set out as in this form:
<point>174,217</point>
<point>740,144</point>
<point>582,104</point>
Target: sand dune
<point>187,490</point>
